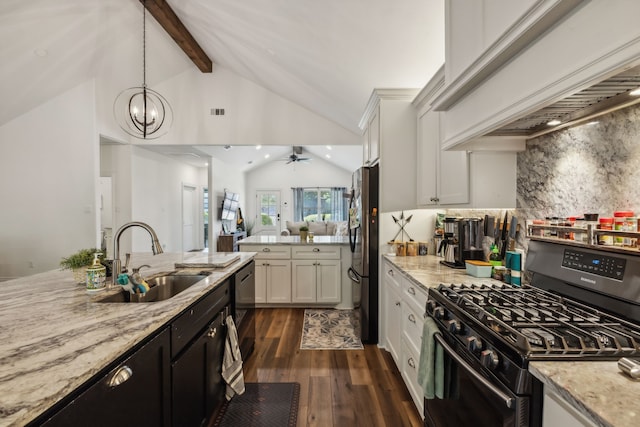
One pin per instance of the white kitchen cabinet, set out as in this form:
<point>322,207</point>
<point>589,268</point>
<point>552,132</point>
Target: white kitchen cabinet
<point>495,70</point>
<point>393,312</point>
<point>302,274</point>
<point>389,121</point>
<point>273,273</point>
<point>442,176</point>
<point>371,143</point>
<point>316,281</point>
<point>316,274</point>
<point>557,412</point>
<point>277,280</point>
<point>482,178</point>
<point>404,306</point>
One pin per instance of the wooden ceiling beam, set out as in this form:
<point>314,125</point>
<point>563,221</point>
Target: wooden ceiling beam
<point>167,18</point>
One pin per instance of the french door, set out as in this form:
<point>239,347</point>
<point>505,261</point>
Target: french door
<point>268,212</point>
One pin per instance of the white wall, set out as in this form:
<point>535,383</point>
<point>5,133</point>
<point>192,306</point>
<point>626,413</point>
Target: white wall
<point>281,176</point>
<point>253,114</point>
<point>225,176</point>
<point>48,180</point>
<point>157,198</point>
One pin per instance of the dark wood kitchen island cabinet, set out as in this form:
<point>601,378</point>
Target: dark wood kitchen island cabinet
<point>136,392</point>
<point>174,379</point>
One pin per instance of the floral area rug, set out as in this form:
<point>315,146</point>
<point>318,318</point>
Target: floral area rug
<point>328,329</point>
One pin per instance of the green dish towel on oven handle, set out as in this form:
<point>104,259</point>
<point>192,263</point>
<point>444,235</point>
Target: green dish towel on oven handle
<point>431,366</point>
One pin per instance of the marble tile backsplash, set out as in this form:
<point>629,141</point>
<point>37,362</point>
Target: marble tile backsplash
<point>592,168</point>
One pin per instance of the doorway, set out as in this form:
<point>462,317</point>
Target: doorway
<point>189,218</point>
<point>268,212</point>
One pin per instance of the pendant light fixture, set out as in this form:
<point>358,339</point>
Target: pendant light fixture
<point>142,112</point>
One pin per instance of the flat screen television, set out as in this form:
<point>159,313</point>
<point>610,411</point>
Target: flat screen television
<point>229,206</point>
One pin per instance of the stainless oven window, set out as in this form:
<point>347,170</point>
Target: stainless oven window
<point>470,401</point>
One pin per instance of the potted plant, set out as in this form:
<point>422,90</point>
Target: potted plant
<point>304,231</point>
<point>78,263</point>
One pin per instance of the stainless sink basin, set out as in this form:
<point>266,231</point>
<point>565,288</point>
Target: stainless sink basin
<point>162,288</point>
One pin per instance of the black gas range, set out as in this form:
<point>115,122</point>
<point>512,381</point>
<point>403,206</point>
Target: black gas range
<point>583,304</point>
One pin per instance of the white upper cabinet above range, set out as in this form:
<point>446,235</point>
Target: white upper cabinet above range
<point>481,174</point>
<point>506,59</point>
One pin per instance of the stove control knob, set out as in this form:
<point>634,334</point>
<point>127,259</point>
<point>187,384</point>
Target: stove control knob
<point>489,359</point>
<point>474,343</point>
<point>454,326</point>
<point>437,311</point>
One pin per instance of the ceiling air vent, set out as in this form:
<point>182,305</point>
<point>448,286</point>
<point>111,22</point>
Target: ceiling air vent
<point>217,111</point>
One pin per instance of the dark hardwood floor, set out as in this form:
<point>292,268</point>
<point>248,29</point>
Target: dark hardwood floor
<point>338,387</point>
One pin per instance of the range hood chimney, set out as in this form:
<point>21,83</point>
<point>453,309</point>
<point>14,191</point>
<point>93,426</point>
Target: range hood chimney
<point>604,97</point>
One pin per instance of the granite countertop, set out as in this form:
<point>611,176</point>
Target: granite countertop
<point>427,271</point>
<point>294,240</point>
<point>54,336</point>
<point>596,389</point>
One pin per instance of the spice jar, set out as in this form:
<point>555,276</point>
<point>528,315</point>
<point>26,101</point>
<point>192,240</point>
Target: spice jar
<point>605,224</point>
<point>412,248</point>
<point>620,224</point>
<point>401,249</point>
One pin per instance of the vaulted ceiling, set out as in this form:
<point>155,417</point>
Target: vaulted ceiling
<point>324,56</point>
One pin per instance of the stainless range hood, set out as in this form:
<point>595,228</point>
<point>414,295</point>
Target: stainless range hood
<point>604,97</point>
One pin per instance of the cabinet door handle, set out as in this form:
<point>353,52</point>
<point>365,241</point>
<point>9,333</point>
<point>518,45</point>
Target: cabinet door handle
<point>411,291</point>
<point>266,249</point>
<point>121,375</point>
<point>412,318</point>
<point>212,332</point>
<point>316,249</point>
<point>411,362</point>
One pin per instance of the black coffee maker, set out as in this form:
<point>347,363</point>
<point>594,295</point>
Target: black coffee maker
<point>466,236</point>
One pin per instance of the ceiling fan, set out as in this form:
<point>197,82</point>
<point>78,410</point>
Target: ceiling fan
<point>295,155</point>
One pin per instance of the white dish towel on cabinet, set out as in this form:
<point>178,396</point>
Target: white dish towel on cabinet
<point>232,362</point>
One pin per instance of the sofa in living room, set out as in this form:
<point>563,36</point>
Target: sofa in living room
<point>318,228</point>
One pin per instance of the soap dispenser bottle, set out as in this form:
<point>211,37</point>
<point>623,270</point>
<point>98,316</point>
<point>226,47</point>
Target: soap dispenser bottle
<point>96,275</point>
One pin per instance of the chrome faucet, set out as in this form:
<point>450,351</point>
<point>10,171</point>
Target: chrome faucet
<point>156,248</point>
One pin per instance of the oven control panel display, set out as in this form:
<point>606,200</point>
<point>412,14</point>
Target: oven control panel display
<point>601,265</point>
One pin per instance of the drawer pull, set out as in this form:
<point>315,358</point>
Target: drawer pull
<point>398,303</point>
<point>316,249</point>
<point>390,273</point>
<point>411,290</point>
<point>411,362</point>
<point>412,318</point>
<point>212,332</point>
<point>122,375</point>
<point>266,249</point>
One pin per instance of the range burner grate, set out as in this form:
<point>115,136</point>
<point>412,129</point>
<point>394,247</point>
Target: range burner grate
<point>539,323</point>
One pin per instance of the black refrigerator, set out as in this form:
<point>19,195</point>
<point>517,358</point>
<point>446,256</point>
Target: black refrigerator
<point>363,241</point>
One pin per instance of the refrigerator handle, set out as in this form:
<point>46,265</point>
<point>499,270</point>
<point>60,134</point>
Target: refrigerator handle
<point>353,275</point>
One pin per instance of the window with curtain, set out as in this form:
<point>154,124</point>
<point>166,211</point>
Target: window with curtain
<point>320,204</point>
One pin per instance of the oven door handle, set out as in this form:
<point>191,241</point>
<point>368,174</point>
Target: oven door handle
<point>508,400</point>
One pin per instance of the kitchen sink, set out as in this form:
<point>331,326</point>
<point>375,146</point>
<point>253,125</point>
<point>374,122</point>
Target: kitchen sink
<point>162,288</point>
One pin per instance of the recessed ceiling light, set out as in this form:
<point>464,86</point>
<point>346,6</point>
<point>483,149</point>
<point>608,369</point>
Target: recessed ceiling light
<point>635,92</point>
<point>554,122</point>
<point>258,147</point>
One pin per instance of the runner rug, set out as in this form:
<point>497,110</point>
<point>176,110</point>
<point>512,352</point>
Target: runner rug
<point>328,329</point>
